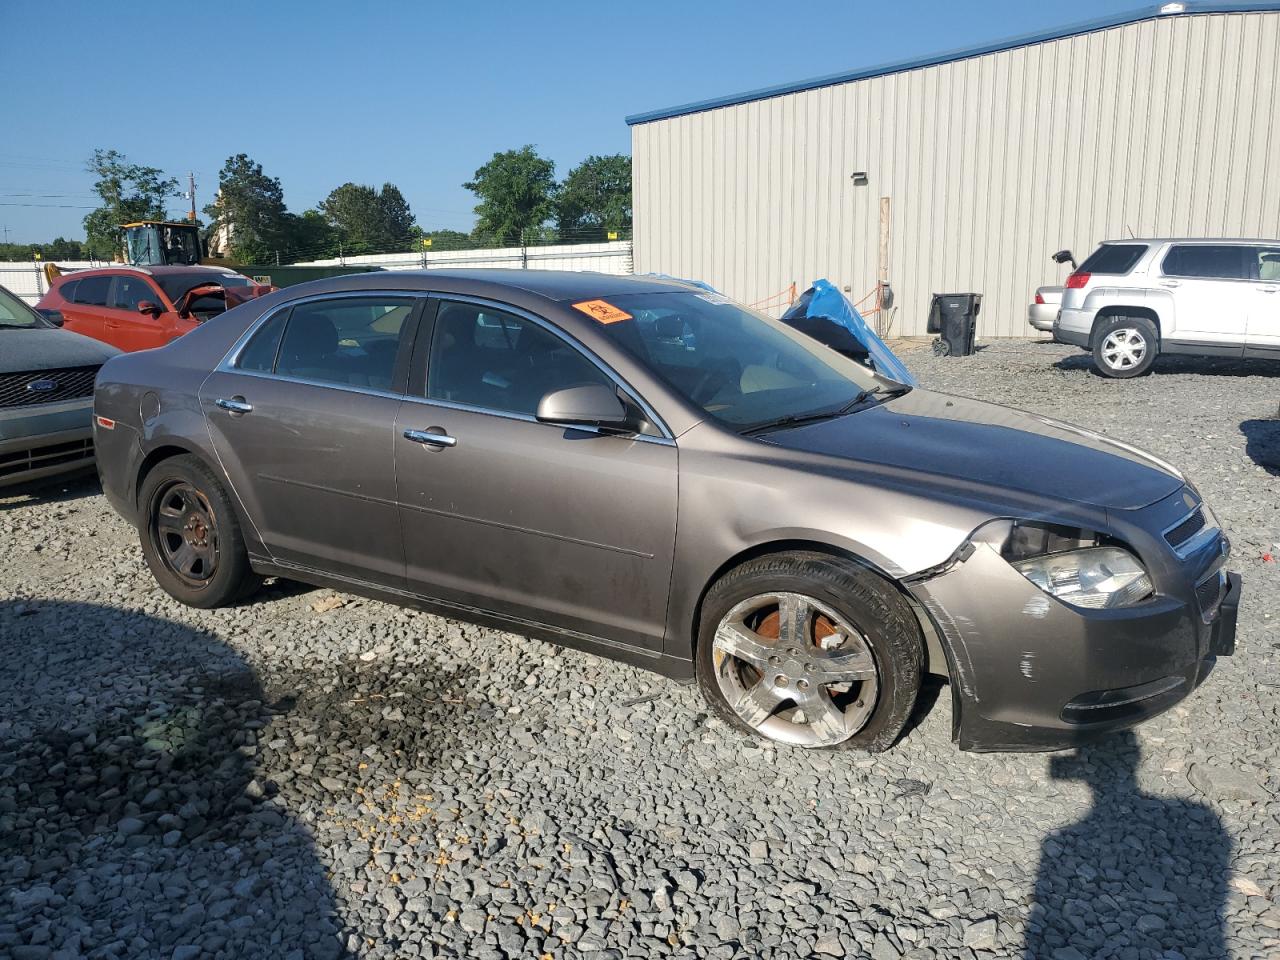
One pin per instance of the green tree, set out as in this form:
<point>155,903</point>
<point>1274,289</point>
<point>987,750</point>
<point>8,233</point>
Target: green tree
<point>516,191</point>
<point>595,198</point>
<point>249,212</point>
<point>369,220</point>
<point>129,192</point>
<point>309,237</point>
<point>447,240</point>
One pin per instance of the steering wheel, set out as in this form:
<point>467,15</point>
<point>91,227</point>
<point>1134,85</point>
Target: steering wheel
<point>713,378</point>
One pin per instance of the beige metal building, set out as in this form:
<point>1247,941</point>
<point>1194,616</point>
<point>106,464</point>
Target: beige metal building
<point>1158,123</point>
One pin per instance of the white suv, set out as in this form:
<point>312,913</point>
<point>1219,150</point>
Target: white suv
<point>1133,299</point>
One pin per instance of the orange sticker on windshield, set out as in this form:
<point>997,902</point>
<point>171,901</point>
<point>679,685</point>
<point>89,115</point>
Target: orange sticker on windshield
<point>602,311</point>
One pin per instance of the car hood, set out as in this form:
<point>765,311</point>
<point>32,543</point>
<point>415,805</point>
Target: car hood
<point>48,348</point>
<point>992,445</point>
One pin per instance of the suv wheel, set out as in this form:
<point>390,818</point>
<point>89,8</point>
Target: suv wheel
<point>1125,346</point>
<point>811,651</point>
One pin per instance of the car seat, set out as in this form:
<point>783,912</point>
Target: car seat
<point>1269,267</point>
<point>310,347</point>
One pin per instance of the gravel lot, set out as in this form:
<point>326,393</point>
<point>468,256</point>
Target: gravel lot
<point>316,775</point>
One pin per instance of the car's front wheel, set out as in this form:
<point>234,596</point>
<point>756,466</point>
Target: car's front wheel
<point>190,537</point>
<point>1125,346</point>
<point>810,650</point>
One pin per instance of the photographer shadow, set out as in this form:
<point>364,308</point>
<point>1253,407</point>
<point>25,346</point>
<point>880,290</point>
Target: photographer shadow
<point>133,821</point>
<point>1138,873</point>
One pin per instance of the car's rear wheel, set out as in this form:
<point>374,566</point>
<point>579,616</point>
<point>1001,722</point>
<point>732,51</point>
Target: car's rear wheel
<point>1125,346</point>
<point>190,537</point>
<point>811,651</point>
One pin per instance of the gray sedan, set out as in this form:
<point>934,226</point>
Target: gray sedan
<point>649,471</point>
<point>46,395</point>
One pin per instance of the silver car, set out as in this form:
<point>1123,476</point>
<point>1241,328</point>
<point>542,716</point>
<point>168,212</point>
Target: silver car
<point>46,395</point>
<point>646,470</point>
<point>1044,308</point>
<point>1132,300</point>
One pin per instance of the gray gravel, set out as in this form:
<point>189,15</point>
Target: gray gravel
<point>285,781</point>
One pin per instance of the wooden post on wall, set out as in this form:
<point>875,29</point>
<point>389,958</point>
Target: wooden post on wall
<point>882,277</point>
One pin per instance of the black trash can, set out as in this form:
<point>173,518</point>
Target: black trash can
<point>955,317</point>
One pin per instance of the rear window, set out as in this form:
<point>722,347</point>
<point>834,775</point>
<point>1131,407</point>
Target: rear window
<point>1212,261</point>
<point>1114,258</point>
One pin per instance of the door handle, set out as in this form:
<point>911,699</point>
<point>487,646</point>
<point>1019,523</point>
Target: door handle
<point>431,439</point>
<point>235,405</point>
<point>1170,283</point>
<point>1268,289</point>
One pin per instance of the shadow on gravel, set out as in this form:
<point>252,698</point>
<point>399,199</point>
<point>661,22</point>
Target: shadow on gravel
<point>132,822</point>
<point>1262,443</point>
<point>1201,366</point>
<point>52,490</point>
<point>1137,876</point>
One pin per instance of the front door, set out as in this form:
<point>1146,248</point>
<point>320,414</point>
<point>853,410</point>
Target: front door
<point>566,527</point>
<point>303,421</point>
<point>1210,293</point>
<point>125,326</point>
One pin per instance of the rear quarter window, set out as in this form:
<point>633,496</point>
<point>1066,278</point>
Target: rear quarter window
<point>1114,258</point>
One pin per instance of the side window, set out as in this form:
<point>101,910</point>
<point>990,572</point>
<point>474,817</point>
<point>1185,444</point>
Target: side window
<point>68,290</point>
<point>1268,258</point>
<point>350,341</point>
<point>487,358</point>
<point>259,354</point>
<point>92,291</point>
<point>1205,261</point>
<point>130,291</point>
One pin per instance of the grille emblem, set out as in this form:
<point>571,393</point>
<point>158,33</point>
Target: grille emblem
<point>42,386</point>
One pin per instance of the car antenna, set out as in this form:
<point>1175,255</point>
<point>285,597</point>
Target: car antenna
<point>1130,229</point>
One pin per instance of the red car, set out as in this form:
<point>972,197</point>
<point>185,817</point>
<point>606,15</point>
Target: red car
<point>137,308</point>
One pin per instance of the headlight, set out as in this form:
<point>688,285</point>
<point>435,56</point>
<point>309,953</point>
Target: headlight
<point>1096,577</point>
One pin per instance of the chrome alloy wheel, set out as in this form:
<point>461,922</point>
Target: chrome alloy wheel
<point>795,670</point>
<point>1123,349</point>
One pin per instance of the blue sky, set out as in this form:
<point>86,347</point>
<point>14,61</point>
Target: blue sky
<point>413,93</point>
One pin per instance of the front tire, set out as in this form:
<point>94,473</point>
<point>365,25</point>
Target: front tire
<point>1125,347</point>
<point>810,650</point>
<point>190,537</point>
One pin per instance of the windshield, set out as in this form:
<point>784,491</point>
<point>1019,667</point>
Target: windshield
<point>741,367</point>
<point>15,313</point>
<point>175,285</point>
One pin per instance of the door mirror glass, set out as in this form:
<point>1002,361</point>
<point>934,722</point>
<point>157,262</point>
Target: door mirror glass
<point>149,307</point>
<point>587,405</point>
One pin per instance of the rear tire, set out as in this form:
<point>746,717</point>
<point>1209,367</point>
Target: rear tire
<point>1125,347</point>
<point>792,629</point>
<point>190,536</point>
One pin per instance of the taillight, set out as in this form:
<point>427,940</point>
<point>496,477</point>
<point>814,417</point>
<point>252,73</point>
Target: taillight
<point>1039,299</point>
<point>1077,280</point>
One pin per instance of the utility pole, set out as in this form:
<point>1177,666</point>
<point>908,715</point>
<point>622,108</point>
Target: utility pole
<point>6,233</point>
<point>191,195</point>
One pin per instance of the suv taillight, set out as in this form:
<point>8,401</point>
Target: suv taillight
<point>1077,280</point>
<point>1039,298</point>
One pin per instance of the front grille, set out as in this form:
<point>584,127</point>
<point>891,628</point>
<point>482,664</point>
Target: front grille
<point>1209,594</point>
<point>18,462</point>
<point>1187,529</point>
<point>46,386</point>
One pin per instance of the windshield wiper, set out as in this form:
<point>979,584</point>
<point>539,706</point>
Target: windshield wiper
<point>794,419</point>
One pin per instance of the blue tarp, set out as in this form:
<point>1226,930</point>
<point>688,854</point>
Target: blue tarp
<point>827,301</point>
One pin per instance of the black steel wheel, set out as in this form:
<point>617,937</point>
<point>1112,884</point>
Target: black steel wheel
<point>190,536</point>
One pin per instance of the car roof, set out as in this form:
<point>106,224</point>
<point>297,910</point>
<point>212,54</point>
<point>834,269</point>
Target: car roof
<point>1226,240</point>
<point>557,285</point>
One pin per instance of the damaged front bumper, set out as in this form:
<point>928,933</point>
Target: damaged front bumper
<point>1029,672</point>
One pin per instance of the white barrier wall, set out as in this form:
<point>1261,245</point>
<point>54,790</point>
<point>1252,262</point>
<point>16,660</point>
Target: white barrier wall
<point>26,279</point>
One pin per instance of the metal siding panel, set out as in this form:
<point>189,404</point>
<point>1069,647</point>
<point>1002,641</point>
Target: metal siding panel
<point>990,163</point>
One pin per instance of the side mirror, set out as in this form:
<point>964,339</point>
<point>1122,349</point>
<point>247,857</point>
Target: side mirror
<point>149,307</point>
<point>591,405</point>
<point>53,316</point>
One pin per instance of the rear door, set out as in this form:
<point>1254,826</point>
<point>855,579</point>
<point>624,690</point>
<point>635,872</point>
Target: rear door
<point>303,418</point>
<point>125,326</point>
<point>1264,304</point>
<point>1210,290</point>
<point>571,528</point>
<point>85,311</point>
